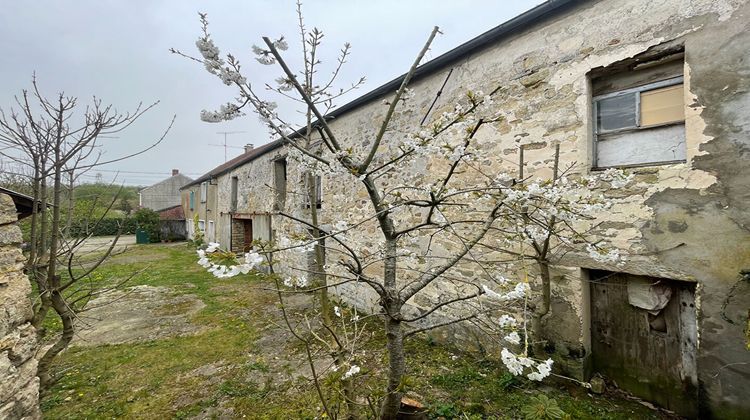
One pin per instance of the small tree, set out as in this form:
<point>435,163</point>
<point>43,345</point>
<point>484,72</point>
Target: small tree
<point>434,226</point>
<point>46,136</point>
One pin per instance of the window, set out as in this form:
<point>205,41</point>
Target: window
<point>202,225</point>
<point>639,116</point>
<point>233,202</point>
<point>318,190</point>
<point>211,231</point>
<point>192,200</point>
<point>279,178</point>
<point>204,191</point>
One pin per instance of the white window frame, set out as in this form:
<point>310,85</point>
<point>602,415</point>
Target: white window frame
<point>643,88</point>
<point>202,225</point>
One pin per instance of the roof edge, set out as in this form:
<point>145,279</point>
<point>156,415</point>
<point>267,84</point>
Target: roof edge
<point>507,28</point>
<point>532,16</point>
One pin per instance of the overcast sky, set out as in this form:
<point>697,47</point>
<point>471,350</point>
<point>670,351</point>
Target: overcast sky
<point>118,51</point>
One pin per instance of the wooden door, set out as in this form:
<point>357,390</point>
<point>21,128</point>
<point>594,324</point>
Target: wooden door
<point>652,356</point>
<point>247,226</point>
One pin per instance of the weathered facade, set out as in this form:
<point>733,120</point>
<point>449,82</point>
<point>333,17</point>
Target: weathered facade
<point>199,199</point>
<point>565,71</point>
<point>224,200</point>
<point>19,385</point>
<point>164,194</point>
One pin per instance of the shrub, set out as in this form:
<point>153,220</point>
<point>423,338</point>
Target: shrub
<point>148,220</point>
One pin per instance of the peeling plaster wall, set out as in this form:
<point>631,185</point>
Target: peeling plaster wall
<point>686,221</point>
<point>255,193</point>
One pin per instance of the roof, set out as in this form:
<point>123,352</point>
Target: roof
<point>172,213</point>
<point>187,179</point>
<point>23,202</point>
<point>503,31</point>
<point>239,160</point>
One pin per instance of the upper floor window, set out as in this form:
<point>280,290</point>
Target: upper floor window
<point>192,200</point>
<point>233,201</point>
<point>639,116</point>
<point>279,180</point>
<point>204,191</point>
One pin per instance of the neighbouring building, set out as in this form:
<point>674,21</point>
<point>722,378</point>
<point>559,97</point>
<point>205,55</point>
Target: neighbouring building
<point>660,89</point>
<point>19,384</point>
<point>200,199</point>
<point>165,193</point>
<point>172,226</point>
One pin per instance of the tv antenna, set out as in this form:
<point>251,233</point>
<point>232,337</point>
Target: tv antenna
<point>225,145</point>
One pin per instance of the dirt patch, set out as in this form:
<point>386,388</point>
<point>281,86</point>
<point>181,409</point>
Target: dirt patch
<point>139,313</point>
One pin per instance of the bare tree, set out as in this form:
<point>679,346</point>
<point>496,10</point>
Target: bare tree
<point>45,134</point>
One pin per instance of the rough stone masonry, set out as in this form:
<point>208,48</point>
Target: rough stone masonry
<point>19,385</point>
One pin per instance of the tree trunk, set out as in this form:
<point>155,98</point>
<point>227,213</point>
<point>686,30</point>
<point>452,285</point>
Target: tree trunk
<point>396,368</point>
<point>37,265</point>
<point>542,309</point>
<point>320,278</point>
<point>349,397</point>
<point>64,311</point>
<point>67,316</point>
<point>394,335</point>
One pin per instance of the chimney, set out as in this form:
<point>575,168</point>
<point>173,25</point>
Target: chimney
<point>175,172</point>
<point>248,147</point>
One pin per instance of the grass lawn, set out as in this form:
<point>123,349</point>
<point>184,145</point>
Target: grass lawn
<point>240,363</point>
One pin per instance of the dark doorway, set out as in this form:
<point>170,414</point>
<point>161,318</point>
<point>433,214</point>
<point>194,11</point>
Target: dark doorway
<point>644,335</point>
<point>247,228</point>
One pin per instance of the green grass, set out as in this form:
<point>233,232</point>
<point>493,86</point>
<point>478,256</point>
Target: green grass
<point>159,379</point>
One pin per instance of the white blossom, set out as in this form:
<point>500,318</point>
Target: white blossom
<point>284,84</point>
<point>602,255</point>
<point>253,259</point>
<point>353,370</point>
<point>513,338</point>
<point>506,321</point>
<point>296,282</point>
<point>281,44</point>
<point>226,112</point>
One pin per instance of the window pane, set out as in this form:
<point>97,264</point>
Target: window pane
<point>660,144</point>
<point>662,106</point>
<point>616,112</point>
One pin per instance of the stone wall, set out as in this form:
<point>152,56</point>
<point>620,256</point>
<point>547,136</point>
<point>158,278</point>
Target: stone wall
<point>19,385</point>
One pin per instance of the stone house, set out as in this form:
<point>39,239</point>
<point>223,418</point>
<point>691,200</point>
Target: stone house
<point>660,89</point>
<point>220,200</point>
<point>165,193</point>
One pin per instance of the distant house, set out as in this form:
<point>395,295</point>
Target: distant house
<point>200,198</point>
<point>164,194</point>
